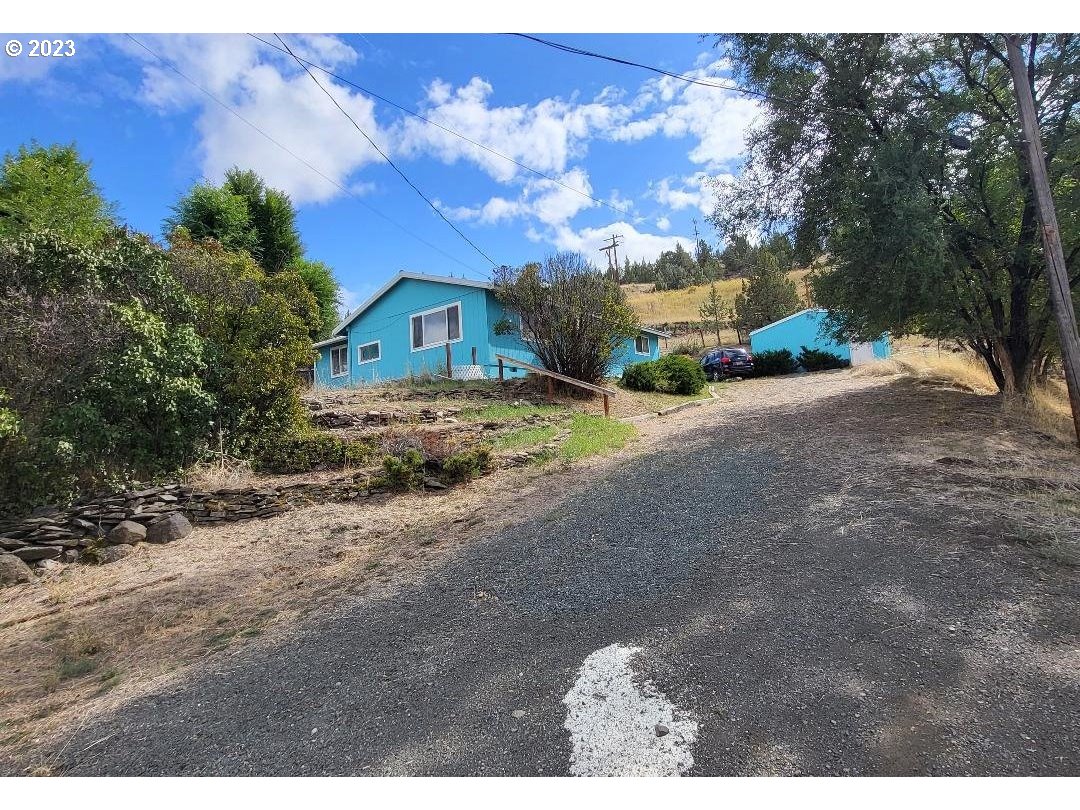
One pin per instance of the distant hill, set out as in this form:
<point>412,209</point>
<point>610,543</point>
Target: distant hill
<point>680,306</point>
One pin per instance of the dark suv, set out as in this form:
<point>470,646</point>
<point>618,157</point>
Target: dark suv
<point>720,364</point>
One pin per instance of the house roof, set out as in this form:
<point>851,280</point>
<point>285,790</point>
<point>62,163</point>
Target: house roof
<point>339,330</point>
<point>328,341</point>
<point>403,274</point>
<point>656,332</point>
<point>782,320</point>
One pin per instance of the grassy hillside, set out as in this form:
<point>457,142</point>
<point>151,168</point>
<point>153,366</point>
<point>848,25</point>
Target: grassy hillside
<point>674,306</point>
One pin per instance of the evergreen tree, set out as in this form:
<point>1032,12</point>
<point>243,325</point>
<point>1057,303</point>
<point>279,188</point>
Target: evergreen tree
<point>244,214</point>
<point>712,310</point>
<point>767,295</point>
<point>50,188</point>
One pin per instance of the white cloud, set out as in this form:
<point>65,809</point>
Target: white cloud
<point>548,202</point>
<point>717,118</point>
<point>351,299</point>
<point>692,191</point>
<point>635,244</point>
<point>268,90</point>
<point>545,136</point>
<point>663,223</point>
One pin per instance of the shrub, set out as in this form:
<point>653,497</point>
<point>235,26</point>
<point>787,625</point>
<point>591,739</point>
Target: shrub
<point>640,376</point>
<point>570,316</point>
<point>673,374</point>
<point>817,360</point>
<point>680,374</point>
<point>303,452</point>
<point>405,471</point>
<point>467,464</point>
<point>774,361</point>
<point>687,347</point>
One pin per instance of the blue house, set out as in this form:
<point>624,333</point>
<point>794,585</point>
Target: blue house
<point>404,328</point>
<point>807,328</point>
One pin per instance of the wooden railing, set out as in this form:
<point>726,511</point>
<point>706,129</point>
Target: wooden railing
<point>554,375</point>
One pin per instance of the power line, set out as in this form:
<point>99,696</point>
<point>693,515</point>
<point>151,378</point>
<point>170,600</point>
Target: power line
<point>386,157</point>
<point>443,127</point>
<point>718,85</point>
<point>295,156</point>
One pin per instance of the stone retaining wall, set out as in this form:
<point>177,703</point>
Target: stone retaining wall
<point>64,533</point>
<point>326,418</point>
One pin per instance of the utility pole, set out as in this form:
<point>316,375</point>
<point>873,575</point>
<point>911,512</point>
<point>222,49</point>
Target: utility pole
<point>697,243</point>
<point>1057,275</point>
<point>613,255</point>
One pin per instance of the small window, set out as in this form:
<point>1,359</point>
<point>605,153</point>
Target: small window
<point>369,352</point>
<point>339,361</point>
<point>641,344</point>
<point>436,327</point>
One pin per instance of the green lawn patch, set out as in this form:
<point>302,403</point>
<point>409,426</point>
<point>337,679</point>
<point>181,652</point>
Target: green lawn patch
<point>595,435</point>
<point>526,437</point>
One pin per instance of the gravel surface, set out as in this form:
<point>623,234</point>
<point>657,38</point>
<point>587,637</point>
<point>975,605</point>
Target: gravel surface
<point>787,584</point>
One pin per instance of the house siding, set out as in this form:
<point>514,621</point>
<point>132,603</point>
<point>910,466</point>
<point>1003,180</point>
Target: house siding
<point>388,320</point>
<point>807,329</point>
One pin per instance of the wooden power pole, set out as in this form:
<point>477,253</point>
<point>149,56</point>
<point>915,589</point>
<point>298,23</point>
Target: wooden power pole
<point>613,255</point>
<point>1057,275</point>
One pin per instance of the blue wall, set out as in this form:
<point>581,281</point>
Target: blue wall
<point>388,321</point>
<point>807,329</point>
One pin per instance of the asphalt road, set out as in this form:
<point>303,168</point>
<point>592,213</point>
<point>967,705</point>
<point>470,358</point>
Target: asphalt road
<point>779,587</point>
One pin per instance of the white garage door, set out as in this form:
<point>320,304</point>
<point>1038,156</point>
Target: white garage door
<point>862,353</point>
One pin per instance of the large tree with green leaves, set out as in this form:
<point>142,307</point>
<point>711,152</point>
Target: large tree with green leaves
<point>570,315</point>
<point>244,214</point>
<point>898,157</point>
<point>50,188</point>
<point>256,328</point>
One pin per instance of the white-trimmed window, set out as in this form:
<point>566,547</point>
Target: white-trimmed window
<point>641,344</point>
<point>436,327</point>
<point>339,361</point>
<point>369,352</point>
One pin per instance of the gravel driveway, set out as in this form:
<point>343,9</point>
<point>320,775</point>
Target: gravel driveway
<point>778,587</point>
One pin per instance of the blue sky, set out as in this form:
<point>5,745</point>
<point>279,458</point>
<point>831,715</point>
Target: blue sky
<point>643,143</point>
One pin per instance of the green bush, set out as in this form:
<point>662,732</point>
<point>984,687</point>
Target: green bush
<point>771,362</point>
<point>640,376</point>
<point>467,464</point>
<point>303,452</point>
<point>817,360</point>
<point>687,347</point>
<point>673,374</point>
<point>405,471</point>
<point>680,374</point>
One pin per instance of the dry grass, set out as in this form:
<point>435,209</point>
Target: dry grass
<point>220,474</point>
<point>236,584</point>
<point>950,369</point>
<point>1047,410</point>
<point>673,306</point>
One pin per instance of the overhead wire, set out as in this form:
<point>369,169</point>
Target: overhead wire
<point>297,157</point>
<point>491,150</point>
<point>704,82</point>
<point>386,157</point>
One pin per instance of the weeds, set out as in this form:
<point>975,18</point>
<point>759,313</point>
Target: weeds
<point>526,437</point>
<point>594,435</point>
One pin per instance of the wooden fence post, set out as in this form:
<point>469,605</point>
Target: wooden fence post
<point>500,370</point>
<point>606,409</point>
<point>449,363</point>
<point>474,355</point>
<point>551,389</point>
